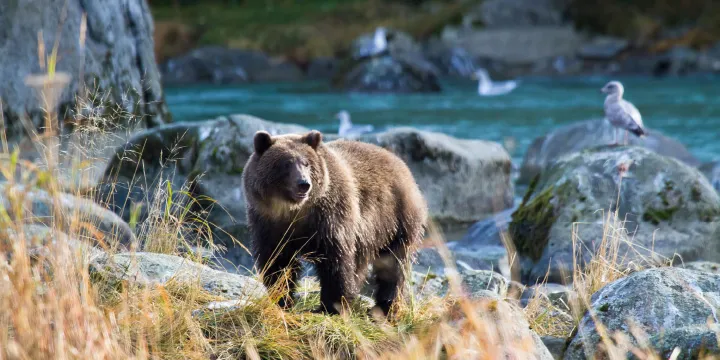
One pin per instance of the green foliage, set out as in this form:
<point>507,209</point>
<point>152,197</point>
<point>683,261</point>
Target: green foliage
<point>303,29</point>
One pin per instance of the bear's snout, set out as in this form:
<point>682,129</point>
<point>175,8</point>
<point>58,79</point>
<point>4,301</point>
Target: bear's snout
<point>303,186</point>
<point>301,190</point>
<point>299,184</point>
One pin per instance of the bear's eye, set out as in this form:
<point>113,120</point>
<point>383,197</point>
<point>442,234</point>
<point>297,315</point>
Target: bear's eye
<point>305,163</point>
<point>288,164</point>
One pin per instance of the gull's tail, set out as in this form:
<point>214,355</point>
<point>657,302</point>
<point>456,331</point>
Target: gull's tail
<point>638,131</point>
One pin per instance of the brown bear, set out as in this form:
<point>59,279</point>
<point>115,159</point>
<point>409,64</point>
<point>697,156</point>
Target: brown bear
<point>343,205</point>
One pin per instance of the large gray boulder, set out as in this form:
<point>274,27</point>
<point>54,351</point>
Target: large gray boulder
<point>664,205</point>
<point>673,307</point>
<point>34,206</point>
<point>397,73</point>
<point>587,134</point>
<point>400,68</point>
<point>117,62</point>
<point>152,269</point>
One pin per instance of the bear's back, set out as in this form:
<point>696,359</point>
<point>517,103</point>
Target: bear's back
<point>382,178</point>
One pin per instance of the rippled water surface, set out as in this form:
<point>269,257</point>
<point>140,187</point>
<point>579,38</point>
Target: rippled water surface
<point>687,108</point>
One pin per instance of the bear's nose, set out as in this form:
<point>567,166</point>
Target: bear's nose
<point>303,185</point>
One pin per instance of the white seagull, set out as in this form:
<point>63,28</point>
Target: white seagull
<point>347,128</point>
<point>379,44</point>
<point>487,87</point>
<point>621,113</point>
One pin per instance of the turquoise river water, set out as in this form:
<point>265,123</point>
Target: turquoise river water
<point>687,109</point>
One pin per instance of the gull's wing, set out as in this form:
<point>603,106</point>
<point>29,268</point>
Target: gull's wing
<point>632,111</point>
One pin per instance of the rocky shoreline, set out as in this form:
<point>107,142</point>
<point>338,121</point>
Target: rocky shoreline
<point>619,235</point>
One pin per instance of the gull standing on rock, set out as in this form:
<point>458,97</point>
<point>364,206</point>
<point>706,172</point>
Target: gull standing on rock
<point>378,45</point>
<point>487,87</point>
<point>621,113</point>
<point>347,128</point>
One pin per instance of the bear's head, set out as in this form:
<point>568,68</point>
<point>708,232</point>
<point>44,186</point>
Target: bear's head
<point>286,169</point>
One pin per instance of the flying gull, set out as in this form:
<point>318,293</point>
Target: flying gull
<point>621,113</point>
<point>487,87</point>
<point>347,128</point>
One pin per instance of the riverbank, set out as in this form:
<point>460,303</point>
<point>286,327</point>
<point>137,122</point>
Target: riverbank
<point>515,39</point>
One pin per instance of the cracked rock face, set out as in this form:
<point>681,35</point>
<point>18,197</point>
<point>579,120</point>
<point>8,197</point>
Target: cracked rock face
<point>117,62</point>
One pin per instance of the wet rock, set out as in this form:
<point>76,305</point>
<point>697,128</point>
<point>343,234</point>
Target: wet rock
<point>117,59</point>
<point>487,232</point>
<point>399,73</point>
<point>322,68</point>
<point>664,205</point>
<point>450,60</point>
<point>493,258</point>
<point>587,134</point>
<point>400,67</point>
<point>220,65</point>
<point>673,307</point>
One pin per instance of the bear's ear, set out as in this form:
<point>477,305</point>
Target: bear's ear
<point>313,138</point>
<point>262,142</point>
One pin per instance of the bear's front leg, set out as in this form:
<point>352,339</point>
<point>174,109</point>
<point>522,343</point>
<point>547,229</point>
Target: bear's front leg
<point>338,287</point>
<point>280,273</point>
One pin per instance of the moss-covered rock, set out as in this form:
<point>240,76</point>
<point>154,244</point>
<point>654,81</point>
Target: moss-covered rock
<point>674,307</point>
<point>661,203</point>
<point>587,134</point>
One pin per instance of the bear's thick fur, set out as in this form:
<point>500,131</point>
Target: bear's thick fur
<point>343,205</point>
